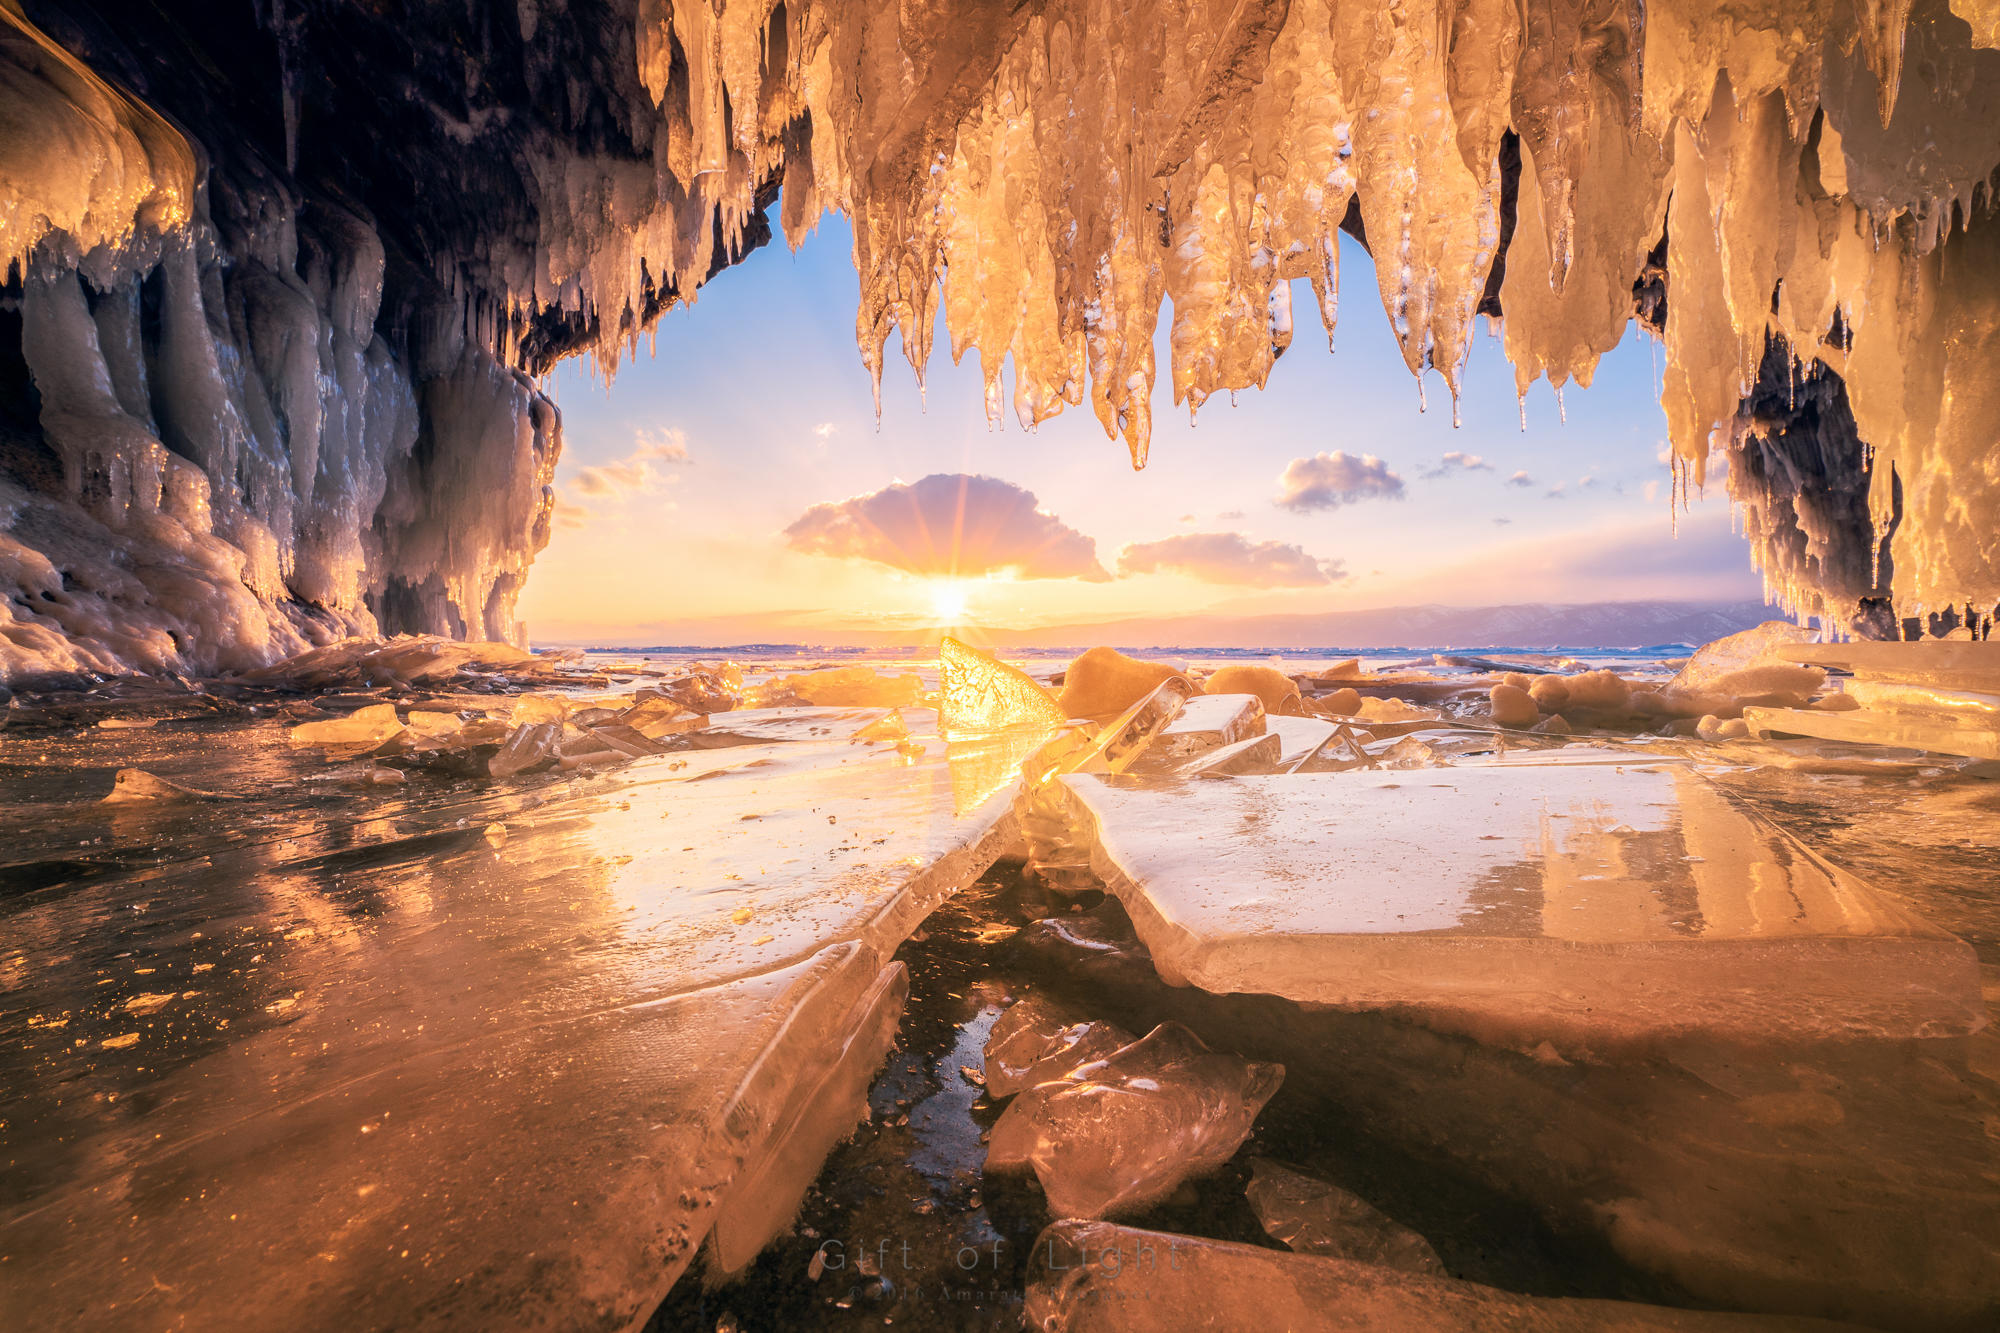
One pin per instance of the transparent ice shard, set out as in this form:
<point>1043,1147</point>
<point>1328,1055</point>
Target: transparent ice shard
<point>1101,1276</point>
<point>980,693</point>
<point>1035,1040</point>
<point>1124,1131</point>
<point>1209,721</point>
<point>1314,1217</point>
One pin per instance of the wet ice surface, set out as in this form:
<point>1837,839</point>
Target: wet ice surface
<point>329,1057</point>
<point>635,1011</point>
<point>1587,904</point>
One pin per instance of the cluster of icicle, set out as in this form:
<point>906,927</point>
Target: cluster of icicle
<point>239,472</point>
<point>1052,173</point>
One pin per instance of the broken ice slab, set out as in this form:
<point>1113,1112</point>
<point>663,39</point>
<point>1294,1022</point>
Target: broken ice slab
<point>365,727</point>
<point>1298,737</point>
<point>1258,754</point>
<point>1951,664</point>
<point>1105,1278</point>
<point>1035,1040</point>
<point>1314,1217</point>
<point>1905,729</point>
<point>1590,904</point>
<point>549,1049</point>
<point>1208,722</point>
<point>1122,1132</point>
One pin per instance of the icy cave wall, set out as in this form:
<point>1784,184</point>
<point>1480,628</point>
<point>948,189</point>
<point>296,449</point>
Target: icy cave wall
<point>281,272</point>
<point>277,288</point>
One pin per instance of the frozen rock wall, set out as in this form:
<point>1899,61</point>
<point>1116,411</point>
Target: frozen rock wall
<point>316,251</point>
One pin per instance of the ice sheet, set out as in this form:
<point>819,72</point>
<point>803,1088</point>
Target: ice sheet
<point>1587,904</point>
<point>455,1055</point>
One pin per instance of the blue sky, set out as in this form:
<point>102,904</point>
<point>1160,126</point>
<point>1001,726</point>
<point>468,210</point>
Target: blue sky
<point>679,480</point>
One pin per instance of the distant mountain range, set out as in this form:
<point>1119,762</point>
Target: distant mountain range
<point>1525,625</point>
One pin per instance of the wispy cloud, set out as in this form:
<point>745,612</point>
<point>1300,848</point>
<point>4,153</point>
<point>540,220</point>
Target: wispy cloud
<point>824,431</point>
<point>640,470</point>
<point>1456,461</point>
<point>949,523</point>
<point>1229,558</point>
<point>1328,481</point>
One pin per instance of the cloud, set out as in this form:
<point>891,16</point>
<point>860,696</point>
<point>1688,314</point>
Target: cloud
<point>1520,479</point>
<point>1556,492</point>
<point>1328,481</point>
<point>639,470</point>
<point>949,523</point>
<point>1233,516</point>
<point>1502,522</point>
<point>1228,557</point>
<point>1457,461</point>
<point>824,431</point>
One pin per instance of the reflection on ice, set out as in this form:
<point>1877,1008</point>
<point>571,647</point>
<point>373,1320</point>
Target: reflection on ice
<point>1588,904</point>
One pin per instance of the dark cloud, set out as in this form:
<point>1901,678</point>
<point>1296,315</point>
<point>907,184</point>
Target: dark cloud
<point>949,523</point>
<point>1328,481</point>
<point>1228,557</point>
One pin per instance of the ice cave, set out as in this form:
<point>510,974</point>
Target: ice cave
<point>367,962</point>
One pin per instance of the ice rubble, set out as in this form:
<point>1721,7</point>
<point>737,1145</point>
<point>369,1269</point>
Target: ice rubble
<point>551,1043</point>
<point>264,412</point>
<point>1115,1279</point>
<point>1118,1133</point>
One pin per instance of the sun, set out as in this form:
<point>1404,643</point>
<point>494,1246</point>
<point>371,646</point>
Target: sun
<point>948,602</point>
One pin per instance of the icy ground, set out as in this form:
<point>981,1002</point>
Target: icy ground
<point>320,1023</point>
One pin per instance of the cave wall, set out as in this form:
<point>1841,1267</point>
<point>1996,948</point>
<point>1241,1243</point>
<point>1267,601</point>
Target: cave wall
<point>279,283</point>
<point>281,276</point>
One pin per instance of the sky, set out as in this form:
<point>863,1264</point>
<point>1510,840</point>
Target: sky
<point>734,486</point>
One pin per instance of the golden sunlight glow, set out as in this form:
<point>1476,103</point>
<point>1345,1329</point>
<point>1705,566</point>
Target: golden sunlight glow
<point>949,599</point>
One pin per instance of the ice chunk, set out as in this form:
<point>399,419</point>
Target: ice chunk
<point>698,692</point>
<point>1105,1278</point>
<point>655,716</point>
<point>1208,721</point>
<point>364,728</point>
<point>1460,895</point>
<point>1314,1217</point>
<point>1394,710</point>
<point>1513,706</point>
<point>1602,691</point>
<point>1410,752</point>
<point>530,745</point>
<point>1343,702</point>
<point>1278,692</point>
<point>840,687</point>
<point>978,693</point>
<point>1298,737</point>
<point>533,708</point>
<point>1034,1041</point>
<point>136,786</point>
<point>1120,1133</point>
<point>1949,665</point>
<point>1258,754</point>
<point>889,727</point>
<point>1878,726</point>
<point>1713,728</point>
<point>1769,641</point>
<point>428,727</point>
<point>1104,682</point>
